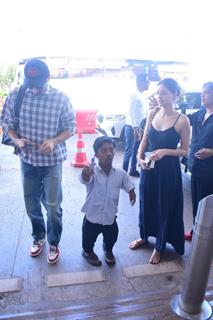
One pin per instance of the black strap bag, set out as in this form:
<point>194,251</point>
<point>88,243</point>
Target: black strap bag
<point>17,107</point>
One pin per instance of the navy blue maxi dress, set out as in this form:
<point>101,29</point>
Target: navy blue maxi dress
<point>161,194</point>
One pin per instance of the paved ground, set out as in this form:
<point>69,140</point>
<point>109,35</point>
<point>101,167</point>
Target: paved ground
<point>29,287</point>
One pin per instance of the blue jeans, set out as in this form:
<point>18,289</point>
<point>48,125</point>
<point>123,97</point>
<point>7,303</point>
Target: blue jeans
<point>131,149</point>
<point>42,185</point>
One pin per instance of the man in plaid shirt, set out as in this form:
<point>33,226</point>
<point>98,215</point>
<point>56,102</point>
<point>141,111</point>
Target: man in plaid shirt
<point>46,120</point>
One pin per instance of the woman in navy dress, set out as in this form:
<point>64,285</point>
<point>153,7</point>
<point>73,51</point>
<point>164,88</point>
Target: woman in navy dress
<point>166,137</point>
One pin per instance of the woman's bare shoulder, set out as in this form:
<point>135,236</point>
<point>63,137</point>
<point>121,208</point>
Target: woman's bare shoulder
<point>183,120</point>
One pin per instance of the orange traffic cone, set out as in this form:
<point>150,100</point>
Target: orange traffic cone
<point>80,157</point>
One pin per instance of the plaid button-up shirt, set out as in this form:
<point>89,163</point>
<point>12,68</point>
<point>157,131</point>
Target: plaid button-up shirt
<point>42,117</point>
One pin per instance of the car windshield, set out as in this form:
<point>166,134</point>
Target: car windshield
<point>190,100</point>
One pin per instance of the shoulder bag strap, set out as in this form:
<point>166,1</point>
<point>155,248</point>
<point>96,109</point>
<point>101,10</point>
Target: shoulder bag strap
<point>18,103</point>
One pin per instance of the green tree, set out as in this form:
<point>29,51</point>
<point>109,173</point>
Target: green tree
<point>7,76</point>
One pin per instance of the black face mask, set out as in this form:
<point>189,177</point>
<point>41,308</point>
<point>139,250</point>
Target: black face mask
<point>30,84</point>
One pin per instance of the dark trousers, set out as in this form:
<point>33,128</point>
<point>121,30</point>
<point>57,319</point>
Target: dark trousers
<point>201,188</point>
<point>90,232</point>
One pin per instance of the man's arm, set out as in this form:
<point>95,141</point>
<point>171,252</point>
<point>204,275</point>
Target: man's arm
<point>134,112</point>
<point>7,115</point>
<point>66,128</point>
<point>204,153</point>
<point>19,142</point>
<point>87,173</point>
<point>7,119</point>
<point>48,145</point>
<point>67,118</point>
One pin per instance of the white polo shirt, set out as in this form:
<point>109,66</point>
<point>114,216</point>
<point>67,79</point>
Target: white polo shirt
<point>137,110</point>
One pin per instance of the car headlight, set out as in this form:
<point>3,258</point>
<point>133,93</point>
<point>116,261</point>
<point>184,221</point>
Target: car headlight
<point>115,117</point>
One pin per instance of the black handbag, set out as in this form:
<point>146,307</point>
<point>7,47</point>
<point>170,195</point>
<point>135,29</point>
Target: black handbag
<point>17,107</point>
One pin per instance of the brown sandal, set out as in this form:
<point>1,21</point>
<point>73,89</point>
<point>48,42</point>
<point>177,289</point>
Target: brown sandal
<point>92,258</point>
<point>155,257</point>
<point>136,244</point>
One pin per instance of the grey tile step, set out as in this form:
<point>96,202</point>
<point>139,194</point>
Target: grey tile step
<point>148,306</point>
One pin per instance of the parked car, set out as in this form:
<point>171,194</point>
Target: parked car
<point>189,102</point>
<point>112,124</point>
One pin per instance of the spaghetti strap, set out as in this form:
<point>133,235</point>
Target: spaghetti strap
<point>176,120</point>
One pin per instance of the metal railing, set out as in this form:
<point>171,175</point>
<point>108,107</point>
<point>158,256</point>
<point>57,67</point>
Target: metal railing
<point>190,304</point>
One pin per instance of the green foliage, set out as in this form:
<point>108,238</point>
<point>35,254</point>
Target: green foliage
<point>7,76</point>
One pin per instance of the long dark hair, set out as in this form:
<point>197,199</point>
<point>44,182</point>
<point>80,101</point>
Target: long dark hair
<point>171,85</point>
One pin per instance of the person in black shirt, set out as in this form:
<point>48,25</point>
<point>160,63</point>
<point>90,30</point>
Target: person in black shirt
<point>200,161</point>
